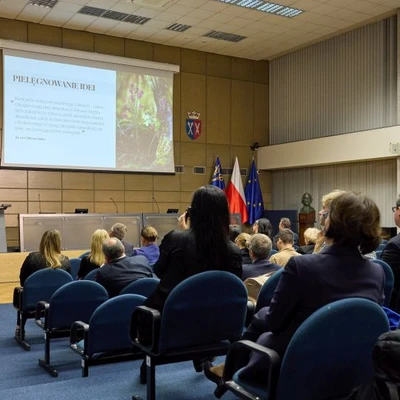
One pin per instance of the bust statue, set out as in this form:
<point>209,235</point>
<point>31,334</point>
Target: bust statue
<point>306,200</point>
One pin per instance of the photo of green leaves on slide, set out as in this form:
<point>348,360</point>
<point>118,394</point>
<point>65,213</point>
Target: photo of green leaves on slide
<point>144,122</point>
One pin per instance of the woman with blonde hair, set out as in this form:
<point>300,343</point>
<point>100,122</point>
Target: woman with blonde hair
<point>95,258</point>
<point>48,256</point>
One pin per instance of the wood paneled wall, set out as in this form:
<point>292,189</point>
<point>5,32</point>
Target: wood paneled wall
<point>230,93</point>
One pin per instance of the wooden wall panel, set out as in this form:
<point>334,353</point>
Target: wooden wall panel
<point>140,207</point>
<point>13,178</point>
<point>44,195</point>
<point>78,40</point>
<point>105,195</point>
<point>167,54</point>
<point>167,182</point>
<point>190,182</point>
<point>50,207</point>
<point>193,154</point>
<point>13,30</point>
<point>109,45</point>
<point>78,195</point>
<point>261,71</point>
<point>242,69</point>
<point>138,196</point>
<point>69,206</point>
<point>221,151</point>
<point>219,65</point>
<point>109,181</point>
<point>218,110</point>
<point>193,61</point>
<point>77,180</point>
<point>44,180</point>
<point>138,182</point>
<point>45,35</point>
<point>139,50</point>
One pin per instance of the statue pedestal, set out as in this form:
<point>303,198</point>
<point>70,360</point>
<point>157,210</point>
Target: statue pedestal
<point>305,221</point>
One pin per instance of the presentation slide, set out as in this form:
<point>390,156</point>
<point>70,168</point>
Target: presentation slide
<point>69,116</point>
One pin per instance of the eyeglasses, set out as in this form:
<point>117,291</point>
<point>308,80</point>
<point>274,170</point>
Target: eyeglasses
<point>325,214</point>
<point>395,208</point>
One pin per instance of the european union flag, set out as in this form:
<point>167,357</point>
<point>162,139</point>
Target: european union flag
<point>217,179</point>
<point>254,199</point>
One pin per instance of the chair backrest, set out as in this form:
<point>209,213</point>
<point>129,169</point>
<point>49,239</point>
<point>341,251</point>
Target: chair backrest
<point>91,276</point>
<point>41,285</point>
<point>272,252</point>
<point>331,351</point>
<point>203,309</point>
<point>143,286</point>
<point>75,301</point>
<point>389,280</point>
<point>75,264</point>
<point>378,254</point>
<point>381,246</point>
<point>109,325</point>
<point>267,291</point>
<point>86,253</point>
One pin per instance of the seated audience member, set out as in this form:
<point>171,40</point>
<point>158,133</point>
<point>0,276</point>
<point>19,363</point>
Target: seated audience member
<point>391,255</point>
<point>149,249</point>
<point>119,231</point>
<point>205,246</point>
<point>95,258</point>
<point>312,281</point>
<point>120,270</point>
<point>48,256</point>
<point>260,246</point>
<point>263,225</point>
<point>322,242</point>
<point>286,251</point>
<point>234,232</point>
<point>310,237</point>
<point>285,223</point>
<point>241,242</point>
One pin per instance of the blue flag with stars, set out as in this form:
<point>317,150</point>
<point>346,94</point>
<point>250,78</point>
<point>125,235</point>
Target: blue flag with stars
<point>254,199</point>
<point>217,179</point>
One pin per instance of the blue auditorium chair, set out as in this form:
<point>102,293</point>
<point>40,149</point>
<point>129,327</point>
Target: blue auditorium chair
<point>328,356</point>
<point>267,291</point>
<point>75,301</point>
<point>389,280</point>
<point>39,286</point>
<point>201,317</point>
<point>143,286</point>
<point>91,276</point>
<point>75,265</point>
<point>106,337</point>
<point>86,253</point>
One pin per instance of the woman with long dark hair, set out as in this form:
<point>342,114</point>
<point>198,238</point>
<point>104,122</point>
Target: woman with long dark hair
<point>263,225</point>
<point>204,246</point>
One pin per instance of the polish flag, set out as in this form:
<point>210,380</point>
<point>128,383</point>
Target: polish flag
<point>235,194</point>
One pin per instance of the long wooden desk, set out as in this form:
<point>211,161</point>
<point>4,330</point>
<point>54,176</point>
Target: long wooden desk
<point>10,265</point>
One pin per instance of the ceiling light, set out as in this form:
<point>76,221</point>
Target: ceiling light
<point>43,3</point>
<point>230,37</point>
<point>265,6</point>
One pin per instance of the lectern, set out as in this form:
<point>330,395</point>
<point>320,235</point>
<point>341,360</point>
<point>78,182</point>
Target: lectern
<point>3,241</point>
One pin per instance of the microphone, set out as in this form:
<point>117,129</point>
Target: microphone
<point>40,204</point>
<point>158,207</point>
<point>115,204</point>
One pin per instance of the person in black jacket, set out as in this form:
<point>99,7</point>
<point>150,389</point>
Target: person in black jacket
<point>205,246</point>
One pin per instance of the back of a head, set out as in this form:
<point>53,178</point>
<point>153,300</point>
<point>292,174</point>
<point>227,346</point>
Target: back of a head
<point>286,236</point>
<point>234,232</point>
<point>113,248</point>
<point>386,356</point>
<point>241,240</point>
<point>265,226</point>
<point>311,235</point>
<point>118,231</point>
<point>50,247</point>
<point>149,233</point>
<point>209,222</point>
<point>354,221</point>
<point>327,198</point>
<point>285,223</point>
<point>260,245</point>
<point>96,247</point>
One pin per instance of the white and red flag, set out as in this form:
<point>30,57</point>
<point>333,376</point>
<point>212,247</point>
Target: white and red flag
<point>235,194</point>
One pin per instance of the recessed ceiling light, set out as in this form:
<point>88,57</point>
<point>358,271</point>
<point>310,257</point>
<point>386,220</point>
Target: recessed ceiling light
<point>230,37</point>
<point>264,6</point>
<point>43,3</point>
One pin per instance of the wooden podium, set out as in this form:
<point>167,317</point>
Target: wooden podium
<point>305,221</point>
<point>3,240</point>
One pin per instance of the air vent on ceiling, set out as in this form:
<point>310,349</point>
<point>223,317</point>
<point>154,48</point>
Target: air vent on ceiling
<point>265,6</point>
<point>115,15</point>
<point>157,4</point>
<point>178,27</point>
<point>230,37</point>
<point>179,169</point>
<point>43,3</point>
<point>199,170</point>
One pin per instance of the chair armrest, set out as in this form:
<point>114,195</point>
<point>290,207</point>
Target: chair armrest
<point>17,297</point>
<point>251,308</point>
<point>79,331</point>
<point>145,328</point>
<point>41,307</point>
<point>272,359</point>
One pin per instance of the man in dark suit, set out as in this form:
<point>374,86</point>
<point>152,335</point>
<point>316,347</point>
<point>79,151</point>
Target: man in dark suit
<point>391,255</point>
<point>285,223</point>
<point>120,270</point>
<point>259,249</point>
<point>119,231</point>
